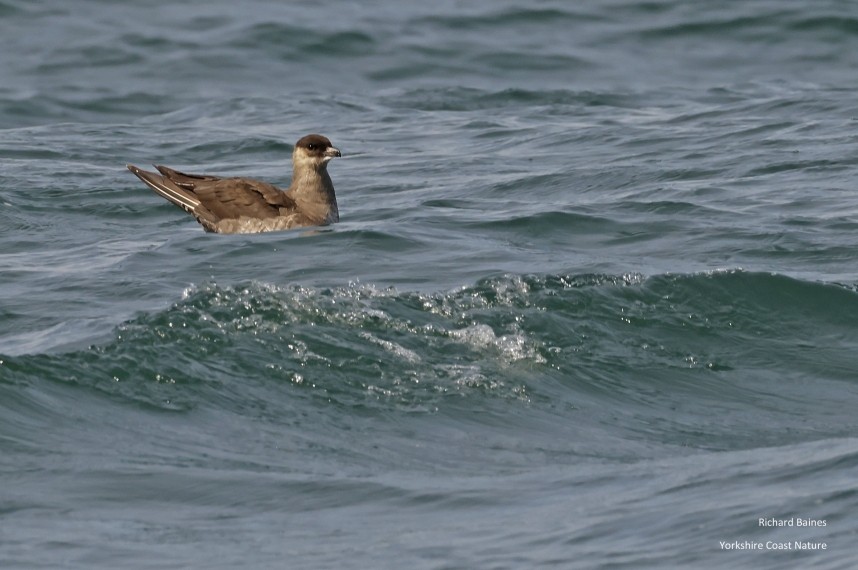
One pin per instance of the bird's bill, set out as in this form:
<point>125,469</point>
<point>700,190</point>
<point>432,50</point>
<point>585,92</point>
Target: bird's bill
<point>332,152</point>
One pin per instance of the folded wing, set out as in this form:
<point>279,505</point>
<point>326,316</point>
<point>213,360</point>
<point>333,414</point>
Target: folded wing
<point>211,199</point>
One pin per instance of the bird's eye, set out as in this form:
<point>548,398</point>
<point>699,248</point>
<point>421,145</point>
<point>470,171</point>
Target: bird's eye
<point>311,146</point>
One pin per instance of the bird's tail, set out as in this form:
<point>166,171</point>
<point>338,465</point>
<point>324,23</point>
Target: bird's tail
<point>164,187</point>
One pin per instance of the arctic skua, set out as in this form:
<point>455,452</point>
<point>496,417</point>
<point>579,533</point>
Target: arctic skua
<point>245,205</point>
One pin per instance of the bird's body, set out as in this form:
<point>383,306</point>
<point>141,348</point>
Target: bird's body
<point>245,205</point>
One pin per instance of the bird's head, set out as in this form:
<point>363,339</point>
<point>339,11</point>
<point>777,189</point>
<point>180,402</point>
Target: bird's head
<point>314,151</point>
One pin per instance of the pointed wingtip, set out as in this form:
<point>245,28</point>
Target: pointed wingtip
<point>132,168</point>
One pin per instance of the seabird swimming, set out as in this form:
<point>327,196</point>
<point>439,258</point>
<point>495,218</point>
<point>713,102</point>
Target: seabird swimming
<point>244,205</point>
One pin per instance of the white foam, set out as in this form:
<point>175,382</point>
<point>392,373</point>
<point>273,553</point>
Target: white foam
<point>512,347</point>
<point>398,350</point>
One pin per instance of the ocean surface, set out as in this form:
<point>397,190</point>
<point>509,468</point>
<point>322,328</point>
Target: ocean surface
<point>593,301</point>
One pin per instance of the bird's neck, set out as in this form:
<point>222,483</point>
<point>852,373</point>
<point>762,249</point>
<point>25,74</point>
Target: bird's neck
<point>313,190</point>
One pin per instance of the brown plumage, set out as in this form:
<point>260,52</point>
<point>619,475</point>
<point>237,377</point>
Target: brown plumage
<point>245,205</point>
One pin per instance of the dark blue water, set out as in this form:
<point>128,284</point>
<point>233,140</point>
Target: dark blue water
<point>593,301</point>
